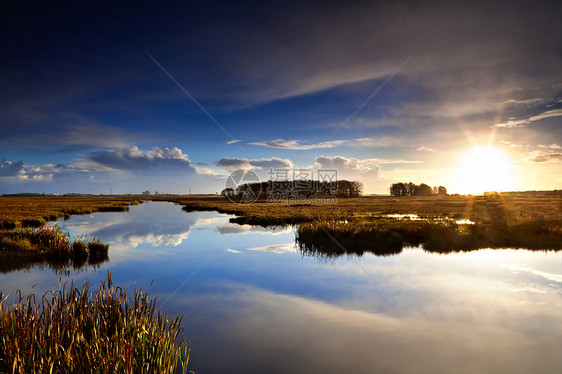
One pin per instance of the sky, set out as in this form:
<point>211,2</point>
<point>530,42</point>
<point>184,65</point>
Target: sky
<point>174,96</point>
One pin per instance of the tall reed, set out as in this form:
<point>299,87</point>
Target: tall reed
<point>74,330</point>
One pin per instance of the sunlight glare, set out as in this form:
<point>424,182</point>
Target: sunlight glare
<point>484,169</point>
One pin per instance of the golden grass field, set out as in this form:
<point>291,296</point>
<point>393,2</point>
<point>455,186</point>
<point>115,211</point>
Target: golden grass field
<point>516,220</point>
<point>515,208</point>
<point>523,220</point>
<point>18,212</point>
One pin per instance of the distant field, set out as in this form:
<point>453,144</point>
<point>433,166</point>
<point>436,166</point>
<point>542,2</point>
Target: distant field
<point>522,220</point>
<point>515,208</point>
<point>439,223</point>
<point>17,212</point>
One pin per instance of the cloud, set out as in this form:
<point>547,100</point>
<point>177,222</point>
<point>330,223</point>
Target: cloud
<point>425,149</point>
<point>552,146</point>
<point>296,144</point>
<point>544,156</point>
<point>453,44</point>
<point>355,163</point>
<point>233,141</point>
<point>549,276</point>
<point>382,161</point>
<point>9,169</point>
<point>176,174</point>
<point>349,166</point>
<point>263,163</point>
<point>134,159</point>
<point>512,145</point>
<point>522,122</point>
<point>537,100</point>
<point>206,171</point>
<point>20,173</point>
<point>276,248</point>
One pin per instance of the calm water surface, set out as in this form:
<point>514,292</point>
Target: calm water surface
<point>252,303</point>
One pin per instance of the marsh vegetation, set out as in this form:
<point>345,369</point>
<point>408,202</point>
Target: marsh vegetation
<point>76,330</point>
<point>519,220</point>
<point>259,281</point>
<point>49,246</point>
<point>23,211</point>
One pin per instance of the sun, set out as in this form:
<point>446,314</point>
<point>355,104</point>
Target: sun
<point>484,169</point>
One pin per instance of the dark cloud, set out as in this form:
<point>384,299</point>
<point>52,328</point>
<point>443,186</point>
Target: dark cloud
<point>243,163</point>
<point>545,157</point>
<point>9,169</point>
<point>21,174</point>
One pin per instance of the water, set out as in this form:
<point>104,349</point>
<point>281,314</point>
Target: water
<point>252,303</point>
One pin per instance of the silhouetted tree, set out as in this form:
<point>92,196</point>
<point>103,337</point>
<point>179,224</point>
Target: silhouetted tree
<point>411,189</point>
<point>423,190</point>
<point>398,189</point>
<point>341,188</point>
<point>228,192</point>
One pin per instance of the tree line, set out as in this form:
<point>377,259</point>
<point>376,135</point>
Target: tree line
<point>411,189</point>
<point>340,188</point>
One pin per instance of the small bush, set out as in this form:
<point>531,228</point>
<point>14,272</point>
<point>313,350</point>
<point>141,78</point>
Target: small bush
<point>80,252</point>
<point>98,251</point>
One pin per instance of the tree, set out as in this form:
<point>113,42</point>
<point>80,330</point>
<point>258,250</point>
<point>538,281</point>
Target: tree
<point>411,189</point>
<point>228,192</point>
<point>423,190</point>
<point>399,189</point>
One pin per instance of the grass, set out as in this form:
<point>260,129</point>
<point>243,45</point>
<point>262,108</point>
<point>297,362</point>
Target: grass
<point>527,220</point>
<point>530,220</point>
<point>23,248</point>
<point>75,330</point>
<point>523,207</point>
<point>21,212</point>
<point>332,239</point>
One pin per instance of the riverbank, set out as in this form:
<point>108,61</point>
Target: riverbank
<point>48,246</point>
<point>385,224</point>
<point>22,212</point>
<point>530,220</point>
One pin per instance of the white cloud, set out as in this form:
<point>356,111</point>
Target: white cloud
<point>536,100</point>
<point>552,146</point>
<point>276,248</point>
<point>522,122</point>
<point>133,158</point>
<point>206,171</point>
<point>512,145</point>
<point>425,149</point>
<point>233,141</point>
<point>296,144</point>
<point>18,172</point>
<point>349,167</point>
<point>382,161</point>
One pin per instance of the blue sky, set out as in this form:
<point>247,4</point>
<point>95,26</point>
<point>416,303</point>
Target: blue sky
<point>382,91</point>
